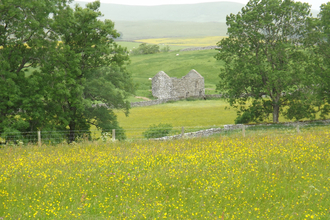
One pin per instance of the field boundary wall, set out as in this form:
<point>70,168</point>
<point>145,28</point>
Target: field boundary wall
<point>212,131</point>
<point>199,48</point>
<point>162,101</point>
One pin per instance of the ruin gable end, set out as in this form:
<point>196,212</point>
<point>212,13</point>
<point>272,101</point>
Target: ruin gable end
<point>190,85</point>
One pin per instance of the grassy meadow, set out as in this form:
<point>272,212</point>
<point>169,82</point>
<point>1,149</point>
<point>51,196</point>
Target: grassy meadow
<point>143,67</point>
<point>130,45</point>
<point>188,42</point>
<point>229,177</point>
<point>192,115</point>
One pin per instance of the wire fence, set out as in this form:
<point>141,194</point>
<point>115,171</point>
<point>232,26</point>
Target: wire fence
<point>66,137</point>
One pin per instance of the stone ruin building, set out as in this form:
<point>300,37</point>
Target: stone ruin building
<point>190,85</point>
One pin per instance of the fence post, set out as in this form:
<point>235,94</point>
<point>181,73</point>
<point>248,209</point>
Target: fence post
<point>298,131</point>
<point>113,134</point>
<point>243,130</point>
<point>182,132</point>
<point>39,138</point>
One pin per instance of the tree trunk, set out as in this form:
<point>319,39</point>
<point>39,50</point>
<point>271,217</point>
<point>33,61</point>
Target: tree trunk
<point>276,111</point>
<point>72,126</point>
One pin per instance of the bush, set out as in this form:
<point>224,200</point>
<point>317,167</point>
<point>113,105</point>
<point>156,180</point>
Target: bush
<point>157,131</point>
<point>145,49</point>
<point>166,49</point>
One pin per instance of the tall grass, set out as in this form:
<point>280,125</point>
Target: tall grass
<point>266,177</point>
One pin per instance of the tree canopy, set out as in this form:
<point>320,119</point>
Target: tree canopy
<point>320,59</point>
<point>266,60</point>
<point>60,68</point>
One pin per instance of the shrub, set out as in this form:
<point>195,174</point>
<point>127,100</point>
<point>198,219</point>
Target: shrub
<point>157,131</point>
<point>166,49</point>
<point>145,49</point>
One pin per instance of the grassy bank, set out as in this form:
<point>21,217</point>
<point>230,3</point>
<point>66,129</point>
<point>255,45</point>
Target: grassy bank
<point>266,177</point>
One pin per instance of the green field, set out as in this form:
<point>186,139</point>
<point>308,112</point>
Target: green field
<point>130,45</point>
<point>186,41</point>
<point>144,67</point>
<point>258,177</point>
<point>190,114</point>
<point>193,115</point>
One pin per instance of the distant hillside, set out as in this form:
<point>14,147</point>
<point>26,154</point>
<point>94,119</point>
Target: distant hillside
<point>132,30</point>
<point>189,20</point>
<point>203,12</point>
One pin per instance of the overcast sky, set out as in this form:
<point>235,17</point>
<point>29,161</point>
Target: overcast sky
<point>315,3</point>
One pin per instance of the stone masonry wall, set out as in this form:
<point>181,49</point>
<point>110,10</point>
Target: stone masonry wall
<point>162,101</point>
<point>201,133</point>
<point>199,48</point>
<point>162,86</point>
<point>190,85</point>
<point>153,102</point>
<point>212,131</point>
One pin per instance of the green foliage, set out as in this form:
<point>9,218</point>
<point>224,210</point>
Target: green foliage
<point>76,65</point>
<point>145,49</point>
<point>320,63</point>
<point>26,33</point>
<point>265,58</point>
<point>157,131</point>
<point>258,111</point>
<point>165,49</point>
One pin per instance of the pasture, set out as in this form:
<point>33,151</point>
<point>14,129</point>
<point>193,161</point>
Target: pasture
<point>260,176</point>
<point>143,67</point>
<point>188,42</point>
<point>193,115</point>
<point>130,45</point>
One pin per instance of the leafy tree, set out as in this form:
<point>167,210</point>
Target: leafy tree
<point>265,60</point>
<point>87,73</point>
<point>320,59</point>
<point>75,70</point>
<point>25,32</point>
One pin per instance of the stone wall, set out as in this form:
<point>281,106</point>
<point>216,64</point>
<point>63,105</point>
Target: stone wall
<point>162,101</point>
<point>162,86</point>
<point>201,133</point>
<point>212,131</point>
<point>190,85</point>
<point>199,48</point>
<point>153,102</point>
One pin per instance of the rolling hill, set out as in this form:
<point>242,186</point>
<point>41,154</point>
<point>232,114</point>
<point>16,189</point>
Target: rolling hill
<point>187,20</point>
<point>203,12</point>
<point>190,20</point>
<point>133,30</point>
